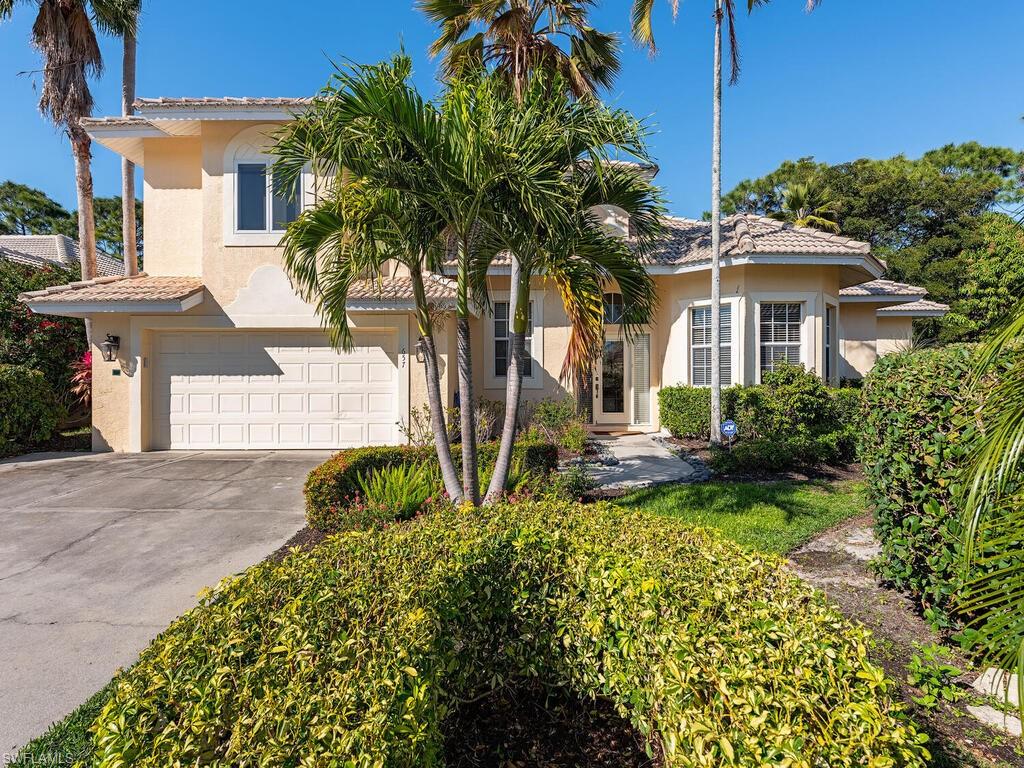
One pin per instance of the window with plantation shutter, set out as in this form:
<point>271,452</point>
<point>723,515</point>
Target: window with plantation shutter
<point>700,346</point>
<point>642,379</point>
<point>780,334</point>
<point>503,341</point>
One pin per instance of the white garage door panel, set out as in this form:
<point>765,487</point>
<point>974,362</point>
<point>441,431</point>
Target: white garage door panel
<point>237,390</point>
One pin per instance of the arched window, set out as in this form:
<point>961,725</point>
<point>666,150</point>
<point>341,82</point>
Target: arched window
<point>256,210</point>
<point>613,308</point>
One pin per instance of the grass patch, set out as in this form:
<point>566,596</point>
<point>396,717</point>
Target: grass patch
<point>770,517</point>
<point>68,741</point>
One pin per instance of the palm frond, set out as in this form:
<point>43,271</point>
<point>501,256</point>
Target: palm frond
<point>992,502</point>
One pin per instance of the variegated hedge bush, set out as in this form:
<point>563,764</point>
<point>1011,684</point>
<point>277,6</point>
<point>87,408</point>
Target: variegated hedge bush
<point>353,654</point>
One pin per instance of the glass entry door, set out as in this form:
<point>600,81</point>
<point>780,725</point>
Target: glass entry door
<point>610,383</point>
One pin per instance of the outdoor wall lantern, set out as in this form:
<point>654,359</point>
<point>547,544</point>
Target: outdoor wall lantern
<point>421,347</point>
<point>109,348</point>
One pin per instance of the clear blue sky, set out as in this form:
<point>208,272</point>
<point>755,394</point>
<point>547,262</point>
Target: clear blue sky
<point>857,78</point>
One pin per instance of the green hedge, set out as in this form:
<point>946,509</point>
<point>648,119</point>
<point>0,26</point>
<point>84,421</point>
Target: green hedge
<point>353,653</point>
<point>29,410</point>
<point>331,486</point>
<point>686,411</point>
<point>791,419</point>
<point>917,434</point>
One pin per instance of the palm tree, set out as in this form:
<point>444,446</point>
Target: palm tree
<point>550,43</point>
<point>64,35</point>
<point>351,233</point>
<point>806,204</point>
<point>370,122</point>
<point>991,502</point>
<point>128,228</point>
<point>517,37</point>
<point>582,259</point>
<point>643,33</point>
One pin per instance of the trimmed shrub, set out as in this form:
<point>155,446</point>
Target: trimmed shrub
<point>29,410</point>
<point>686,411</point>
<point>42,342</point>
<point>917,434</point>
<point>353,653</point>
<point>334,486</point>
<point>791,419</point>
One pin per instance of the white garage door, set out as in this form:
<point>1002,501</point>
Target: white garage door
<point>277,389</point>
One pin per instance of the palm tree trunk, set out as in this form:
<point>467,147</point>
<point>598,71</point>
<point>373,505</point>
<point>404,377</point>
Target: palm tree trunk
<point>518,313</point>
<point>128,224</point>
<point>467,407</point>
<point>436,403</point>
<point>716,239</point>
<point>81,147</point>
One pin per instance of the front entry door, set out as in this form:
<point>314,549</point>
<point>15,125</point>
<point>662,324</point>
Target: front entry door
<point>610,384</point>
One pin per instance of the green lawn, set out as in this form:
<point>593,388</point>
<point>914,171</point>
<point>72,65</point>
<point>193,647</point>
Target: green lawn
<point>67,741</point>
<point>771,517</point>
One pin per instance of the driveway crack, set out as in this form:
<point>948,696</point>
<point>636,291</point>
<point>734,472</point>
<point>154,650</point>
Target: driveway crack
<point>44,560</point>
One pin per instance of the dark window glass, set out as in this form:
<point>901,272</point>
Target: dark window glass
<point>252,196</point>
<point>613,308</point>
<point>286,204</point>
<point>613,390</point>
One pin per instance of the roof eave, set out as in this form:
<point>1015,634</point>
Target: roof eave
<point>83,309</point>
<point>912,312</point>
<point>884,298</point>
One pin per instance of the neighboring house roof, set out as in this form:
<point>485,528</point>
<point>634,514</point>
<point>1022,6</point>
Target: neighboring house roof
<point>39,250</point>
<point>919,308</point>
<point>882,289</point>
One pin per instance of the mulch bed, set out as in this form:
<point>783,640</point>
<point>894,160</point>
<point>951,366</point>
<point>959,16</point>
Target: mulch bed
<point>700,449</point>
<point>530,725</point>
<point>305,539</point>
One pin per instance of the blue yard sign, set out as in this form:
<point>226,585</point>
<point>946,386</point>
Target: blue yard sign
<point>729,429</point>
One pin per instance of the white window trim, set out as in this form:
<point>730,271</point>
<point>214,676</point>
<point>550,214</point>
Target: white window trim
<point>734,303</point>
<point>536,379</point>
<point>808,336</point>
<point>249,146</point>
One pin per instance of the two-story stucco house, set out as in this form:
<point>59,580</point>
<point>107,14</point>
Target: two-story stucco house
<point>214,350</point>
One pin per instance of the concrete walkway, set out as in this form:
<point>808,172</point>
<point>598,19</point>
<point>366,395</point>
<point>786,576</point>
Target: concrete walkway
<point>100,552</point>
<point>641,463</point>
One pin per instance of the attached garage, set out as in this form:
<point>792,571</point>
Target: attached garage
<point>273,389</point>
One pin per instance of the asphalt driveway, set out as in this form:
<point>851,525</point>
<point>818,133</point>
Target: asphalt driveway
<point>99,553</point>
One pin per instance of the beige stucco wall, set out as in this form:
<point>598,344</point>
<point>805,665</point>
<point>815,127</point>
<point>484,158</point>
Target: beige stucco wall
<point>895,334</point>
<point>110,386</point>
<point>173,206</point>
<point>859,339</point>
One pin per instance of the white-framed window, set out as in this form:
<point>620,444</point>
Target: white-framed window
<point>612,308</point>
<point>503,342</point>
<point>780,324</point>
<point>700,346</point>
<point>260,204</point>
<point>256,211</point>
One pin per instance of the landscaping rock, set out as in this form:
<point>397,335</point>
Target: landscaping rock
<point>993,718</point>
<point>999,684</point>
